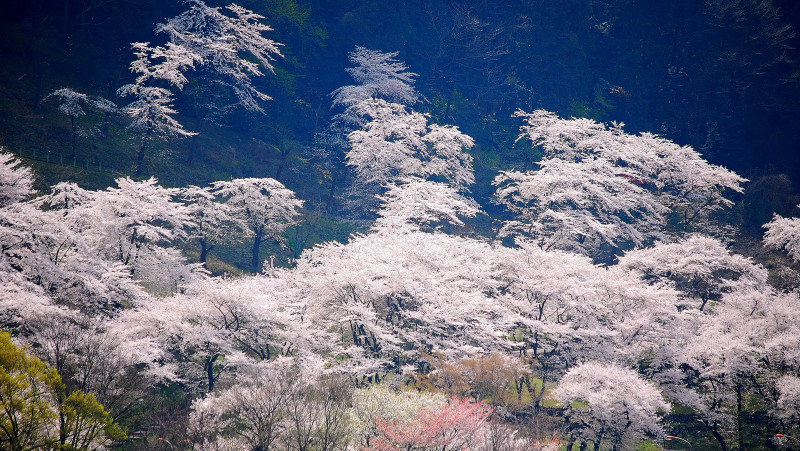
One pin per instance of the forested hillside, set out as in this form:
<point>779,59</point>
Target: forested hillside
<point>419,225</point>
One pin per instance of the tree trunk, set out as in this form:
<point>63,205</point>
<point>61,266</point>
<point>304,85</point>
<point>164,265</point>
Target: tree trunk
<point>720,439</point>
<point>74,140</point>
<point>284,149</point>
<point>62,422</point>
<point>205,249</point>
<point>210,372</point>
<point>255,263</point>
<point>739,419</point>
<point>332,191</point>
<point>140,159</point>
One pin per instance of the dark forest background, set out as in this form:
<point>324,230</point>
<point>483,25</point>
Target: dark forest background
<point>721,76</point>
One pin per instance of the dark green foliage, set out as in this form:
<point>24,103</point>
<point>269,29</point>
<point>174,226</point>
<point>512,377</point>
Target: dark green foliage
<point>766,196</point>
<point>27,389</point>
<point>36,413</point>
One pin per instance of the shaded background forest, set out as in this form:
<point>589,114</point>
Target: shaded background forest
<point>721,76</point>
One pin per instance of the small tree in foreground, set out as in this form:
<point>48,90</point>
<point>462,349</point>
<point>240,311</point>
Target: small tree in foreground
<point>26,399</point>
<point>274,407</point>
<point>35,414</point>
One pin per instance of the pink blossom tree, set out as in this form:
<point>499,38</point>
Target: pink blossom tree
<point>457,425</point>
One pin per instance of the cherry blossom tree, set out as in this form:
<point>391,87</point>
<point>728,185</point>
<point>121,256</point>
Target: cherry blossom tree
<point>45,260</point>
<point>788,404</point>
<point>217,328</point>
<point>720,343</point>
<point>136,216</point>
<point>728,338</point>
<point>598,187</point>
<point>572,310</point>
<point>397,143</point>
<point>423,203</point>
<point>72,104</point>
<point>396,292</point>
<point>260,316</point>
<point>167,64</point>
<point>53,282</point>
<point>18,297</point>
<point>17,292</point>
<point>604,401</point>
<point>177,342</point>
<point>380,76</point>
<point>387,143</point>
<point>16,181</point>
<point>741,350</point>
<point>44,248</point>
<point>781,347</point>
<point>230,47</point>
<point>151,111</point>
<point>213,222</point>
<point>151,114</point>
<point>784,233</point>
<point>264,205</point>
<point>722,361</point>
<point>132,225</point>
<point>698,266</point>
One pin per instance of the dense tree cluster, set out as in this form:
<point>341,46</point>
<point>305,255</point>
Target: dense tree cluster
<point>679,322</point>
<point>601,307</point>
